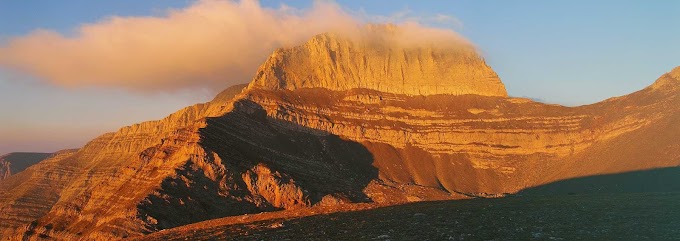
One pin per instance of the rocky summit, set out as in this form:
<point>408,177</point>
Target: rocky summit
<point>383,58</point>
<point>368,118</point>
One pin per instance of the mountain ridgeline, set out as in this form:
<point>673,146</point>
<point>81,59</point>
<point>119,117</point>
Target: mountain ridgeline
<point>338,120</point>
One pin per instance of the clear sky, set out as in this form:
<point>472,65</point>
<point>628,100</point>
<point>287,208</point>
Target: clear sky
<point>567,52</point>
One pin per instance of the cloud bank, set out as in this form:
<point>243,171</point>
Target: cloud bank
<point>210,45</point>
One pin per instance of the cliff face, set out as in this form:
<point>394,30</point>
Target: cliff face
<point>331,122</point>
<point>384,59</point>
<point>477,145</point>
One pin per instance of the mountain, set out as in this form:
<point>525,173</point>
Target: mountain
<point>15,162</point>
<point>383,59</point>
<point>370,118</point>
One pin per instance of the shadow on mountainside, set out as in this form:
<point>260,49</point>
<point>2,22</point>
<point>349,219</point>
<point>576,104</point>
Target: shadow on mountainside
<point>644,181</point>
<point>651,216</point>
<point>321,162</point>
<point>255,163</point>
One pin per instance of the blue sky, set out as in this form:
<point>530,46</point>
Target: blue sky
<point>566,52</point>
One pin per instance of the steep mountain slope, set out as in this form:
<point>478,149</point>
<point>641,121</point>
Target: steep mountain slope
<point>64,184</point>
<point>654,144</point>
<point>336,120</point>
<point>13,163</point>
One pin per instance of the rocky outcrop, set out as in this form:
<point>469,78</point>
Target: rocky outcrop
<point>380,60</point>
<point>276,189</point>
<point>332,122</point>
<point>5,171</point>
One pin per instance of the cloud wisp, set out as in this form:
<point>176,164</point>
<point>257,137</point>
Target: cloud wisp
<point>209,45</point>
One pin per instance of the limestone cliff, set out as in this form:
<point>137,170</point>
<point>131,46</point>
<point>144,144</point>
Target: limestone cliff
<point>380,61</point>
<point>317,127</point>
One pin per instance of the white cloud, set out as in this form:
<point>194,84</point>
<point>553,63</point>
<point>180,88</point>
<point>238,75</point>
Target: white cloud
<point>211,44</point>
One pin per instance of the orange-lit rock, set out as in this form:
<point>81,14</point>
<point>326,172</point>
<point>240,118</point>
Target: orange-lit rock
<point>381,61</point>
<point>331,122</point>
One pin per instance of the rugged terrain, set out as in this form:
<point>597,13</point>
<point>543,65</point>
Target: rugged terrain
<point>639,205</point>
<point>18,161</point>
<point>338,120</point>
<point>623,216</point>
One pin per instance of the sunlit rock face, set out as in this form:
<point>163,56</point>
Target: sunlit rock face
<point>337,120</point>
<point>385,59</point>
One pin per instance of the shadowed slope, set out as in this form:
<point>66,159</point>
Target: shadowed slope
<point>633,198</point>
<point>476,145</point>
<point>645,181</point>
<point>206,170</point>
<point>649,216</point>
<point>260,164</point>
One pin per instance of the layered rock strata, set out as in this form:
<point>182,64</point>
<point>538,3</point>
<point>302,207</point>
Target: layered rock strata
<point>380,61</point>
<point>331,122</point>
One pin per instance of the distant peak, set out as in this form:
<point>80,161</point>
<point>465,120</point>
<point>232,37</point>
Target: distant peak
<point>408,60</point>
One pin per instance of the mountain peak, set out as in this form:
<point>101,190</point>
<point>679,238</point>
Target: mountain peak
<point>386,58</point>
